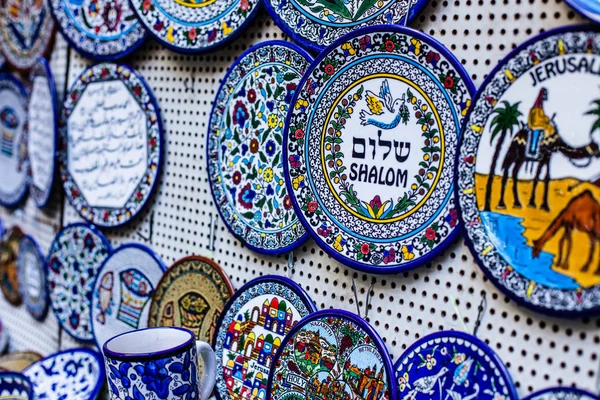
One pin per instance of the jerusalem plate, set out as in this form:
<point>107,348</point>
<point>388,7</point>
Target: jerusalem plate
<point>33,277</point>
<point>122,291</point>
<point>192,295</point>
<point>195,25</point>
<point>109,177</point>
<point>332,354</point>
<point>18,361</point>
<point>74,259</point>
<point>15,386</point>
<point>249,332</point>
<point>13,149</point>
<point>562,393</point>
<point>370,148</point>
<point>9,252</point>
<point>528,181</point>
<point>588,8</point>
<point>41,132</point>
<point>244,147</point>
<point>316,24</point>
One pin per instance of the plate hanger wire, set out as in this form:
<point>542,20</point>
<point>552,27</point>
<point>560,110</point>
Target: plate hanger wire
<point>367,302</point>
<point>291,264</point>
<point>150,230</point>
<point>480,313</point>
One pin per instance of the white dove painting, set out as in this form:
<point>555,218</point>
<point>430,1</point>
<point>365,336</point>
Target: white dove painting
<point>385,112</point>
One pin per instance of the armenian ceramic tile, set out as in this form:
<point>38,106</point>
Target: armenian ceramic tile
<point>33,277</point>
<point>562,393</point>
<point>244,147</point>
<point>18,361</point>
<point>9,251</point>
<point>15,386</point>
<point>589,8</point>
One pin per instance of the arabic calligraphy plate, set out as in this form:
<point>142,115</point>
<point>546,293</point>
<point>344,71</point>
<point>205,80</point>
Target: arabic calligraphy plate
<point>18,361</point>
<point>15,386</point>
<point>562,393</point>
<point>588,8</point>
<point>109,177</point>
<point>33,277</point>
<point>74,259</point>
<point>9,252</point>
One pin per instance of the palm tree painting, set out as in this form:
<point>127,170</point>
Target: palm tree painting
<point>596,112</point>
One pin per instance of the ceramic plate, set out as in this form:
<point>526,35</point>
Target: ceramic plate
<point>535,119</point>
<point>562,393</point>
<point>370,148</point>
<point>41,132</point>
<point>71,374</point>
<point>112,142</point>
<point>26,31</point>
<point>195,25</point>
<point>74,259</point>
<point>244,146</point>
<point>15,386</point>
<point>589,8</point>
<point>17,362</point>
<point>316,24</point>
<point>13,154</point>
<point>331,354</point>
<point>9,251</point>
<point>191,295</point>
<point>251,328</point>
<point>122,291</point>
<point>33,277</point>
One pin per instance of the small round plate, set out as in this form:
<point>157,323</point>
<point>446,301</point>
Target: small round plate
<point>244,147</point>
<point>191,295</point>
<point>111,144</point>
<point>332,351</point>
<point>70,374</point>
<point>562,393</point>
<point>251,328</point>
<point>74,259</point>
<point>13,153</point>
<point>18,361</point>
<point>33,278</point>
<point>316,24</point>
<point>194,26</point>
<point>15,386</point>
<point>41,131</point>
<point>588,8</point>
<point>535,121</point>
<point>9,252</point>
<point>122,291</point>
<point>370,148</point>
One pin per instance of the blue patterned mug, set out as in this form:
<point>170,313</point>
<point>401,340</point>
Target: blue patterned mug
<point>158,363</point>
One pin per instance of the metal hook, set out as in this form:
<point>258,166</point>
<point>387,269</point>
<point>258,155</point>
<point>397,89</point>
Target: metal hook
<point>150,229</point>
<point>192,86</point>
<point>407,12</point>
<point>290,264</point>
<point>368,303</point>
<point>481,310</point>
<point>355,297</point>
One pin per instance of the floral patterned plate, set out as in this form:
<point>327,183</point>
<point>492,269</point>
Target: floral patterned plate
<point>244,147</point>
<point>562,393</point>
<point>74,259</point>
<point>33,277</point>
<point>9,252</point>
<point>370,148</point>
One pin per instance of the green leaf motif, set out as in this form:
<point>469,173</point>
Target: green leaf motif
<point>366,4</point>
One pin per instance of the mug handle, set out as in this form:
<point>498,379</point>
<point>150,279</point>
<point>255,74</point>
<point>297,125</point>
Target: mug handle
<point>209,368</point>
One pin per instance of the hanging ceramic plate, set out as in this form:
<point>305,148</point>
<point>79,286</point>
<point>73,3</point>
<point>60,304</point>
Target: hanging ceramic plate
<point>454,365</point>
<point>535,121</point>
<point>191,295</point>
<point>33,278</point>
<point>17,362</point>
<point>331,354</point>
<point>15,386</point>
<point>111,144</point>
<point>589,8</point>
<point>41,132</point>
<point>9,251</point>
<point>74,259</point>
<point>370,148</point>
<point>251,328</point>
<point>562,393</point>
<point>244,147</point>
<point>70,374</point>
<point>13,149</point>
<point>317,24</point>
<point>122,291</point>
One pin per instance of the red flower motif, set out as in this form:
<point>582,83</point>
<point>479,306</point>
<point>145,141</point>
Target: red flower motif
<point>329,69</point>
<point>375,203</point>
<point>312,206</point>
<point>365,248</point>
<point>287,202</point>
<point>389,45</point>
<point>146,5</point>
<point>152,142</point>
<point>74,96</point>
<point>244,5</point>
<point>448,82</point>
<point>299,134</point>
<point>251,96</point>
<point>237,177</point>
<point>138,195</point>
<point>75,193</point>
<point>192,34</point>
<point>106,215</point>
<point>430,234</point>
<point>137,90</point>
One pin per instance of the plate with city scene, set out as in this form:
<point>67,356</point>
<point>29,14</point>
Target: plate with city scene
<point>588,8</point>
<point>18,361</point>
<point>334,355</point>
<point>528,181</point>
<point>9,251</point>
<point>249,332</point>
<point>562,393</point>
<point>370,148</point>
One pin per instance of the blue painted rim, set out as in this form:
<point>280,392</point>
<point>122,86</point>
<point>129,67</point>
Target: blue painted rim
<point>45,292</point>
<point>355,319</point>
<point>157,355</point>
<point>12,374</point>
<point>324,246</point>
<point>252,49</point>
<point>468,242</point>
<point>551,390</point>
<point>576,5</point>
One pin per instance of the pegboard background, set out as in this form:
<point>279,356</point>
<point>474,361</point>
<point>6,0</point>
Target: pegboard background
<point>538,351</point>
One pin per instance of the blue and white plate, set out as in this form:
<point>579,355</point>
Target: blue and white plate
<point>562,393</point>
<point>589,8</point>
<point>33,277</point>
<point>15,386</point>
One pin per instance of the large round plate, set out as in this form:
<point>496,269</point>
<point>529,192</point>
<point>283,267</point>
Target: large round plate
<point>589,8</point>
<point>535,119</point>
<point>370,148</point>
<point>18,361</point>
<point>111,144</point>
<point>122,291</point>
<point>74,259</point>
<point>562,393</point>
<point>332,354</point>
<point>33,277</point>
<point>9,252</point>
<point>251,328</point>
<point>244,147</point>
<point>191,295</point>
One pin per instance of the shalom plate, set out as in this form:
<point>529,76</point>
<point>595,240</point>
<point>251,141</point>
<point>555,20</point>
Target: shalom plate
<point>9,252</point>
<point>562,393</point>
<point>33,278</point>
<point>588,8</point>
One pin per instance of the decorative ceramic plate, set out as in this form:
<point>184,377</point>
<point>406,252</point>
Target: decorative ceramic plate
<point>195,25</point>
<point>70,374</point>
<point>122,291</point>
<point>316,24</point>
<point>250,330</point>
<point>17,362</point>
<point>74,259</point>
<point>9,252</point>
<point>192,295</point>
<point>13,149</point>
<point>26,31</point>
<point>370,148</point>
<point>454,365</point>
<point>331,354</point>
<point>111,144</point>
<point>244,147</point>
<point>562,393</point>
<point>15,386</point>
<point>535,121</point>
<point>589,8</point>
<point>41,132</point>
<point>33,277</point>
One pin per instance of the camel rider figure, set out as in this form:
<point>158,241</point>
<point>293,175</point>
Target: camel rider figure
<point>540,125</point>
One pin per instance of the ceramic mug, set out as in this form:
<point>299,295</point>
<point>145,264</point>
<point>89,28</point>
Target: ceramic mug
<point>158,363</point>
